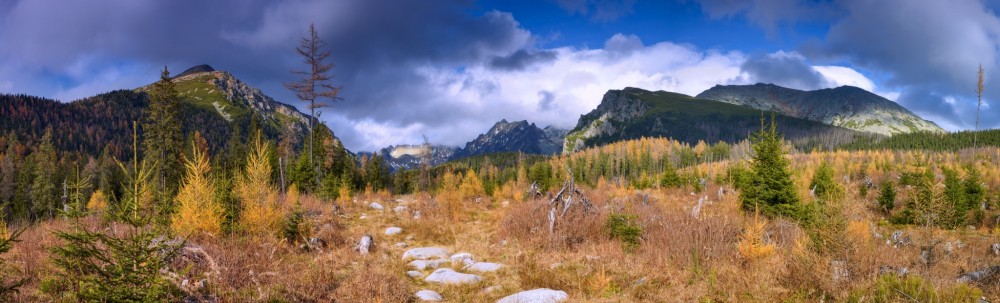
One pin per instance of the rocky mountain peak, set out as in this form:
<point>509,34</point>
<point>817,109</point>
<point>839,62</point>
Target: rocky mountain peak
<point>197,69</point>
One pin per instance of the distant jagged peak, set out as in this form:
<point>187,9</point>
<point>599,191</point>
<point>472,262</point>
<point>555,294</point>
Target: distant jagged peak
<point>197,69</point>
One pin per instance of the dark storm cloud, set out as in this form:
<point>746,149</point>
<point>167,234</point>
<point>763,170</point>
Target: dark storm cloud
<point>598,10</point>
<point>783,69</point>
<point>521,59</point>
<point>379,47</point>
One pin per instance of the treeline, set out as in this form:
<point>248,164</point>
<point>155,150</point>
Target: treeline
<point>642,163</point>
<point>928,141</point>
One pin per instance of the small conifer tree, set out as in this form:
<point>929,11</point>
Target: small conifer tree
<point>770,189</point>
<point>887,196</point>
<point>823,185</point>
<point>121,264</point>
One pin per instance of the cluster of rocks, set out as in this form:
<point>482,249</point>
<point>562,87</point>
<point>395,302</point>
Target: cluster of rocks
<point>446,268</point>
<point>441,261</point>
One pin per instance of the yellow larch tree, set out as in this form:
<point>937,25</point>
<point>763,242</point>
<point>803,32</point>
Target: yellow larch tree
<point>261,212</point>
<point>197,210</point>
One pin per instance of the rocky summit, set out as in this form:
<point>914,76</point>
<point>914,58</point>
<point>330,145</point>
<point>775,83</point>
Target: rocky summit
<point>846,106</point>
<point>517,136</point>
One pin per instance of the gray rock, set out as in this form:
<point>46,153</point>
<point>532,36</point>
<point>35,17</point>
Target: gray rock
<point>424,253</point>
<point>450,276</point>
<point>428,264</point>
<point>839,271</point>
<point>365,244</point>
<point>540,295</point>
<point>980,274</point>
<point>460,259</point>
<point>429,296</point>
<point>414,274</point>
<point>484,267</point>
<point>393,231</point>
<point>376,206</point>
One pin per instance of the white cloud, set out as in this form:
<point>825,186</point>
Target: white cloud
<point>841,76</point>
<point>573,84</point>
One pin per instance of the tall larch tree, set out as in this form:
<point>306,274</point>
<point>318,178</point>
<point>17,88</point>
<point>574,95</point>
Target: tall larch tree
<point>162,139</point>
<point>314,84</point>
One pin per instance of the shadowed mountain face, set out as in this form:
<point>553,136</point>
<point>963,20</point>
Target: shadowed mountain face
<point>846,106</point>
<point>634,113</point>
<point>517,136</point>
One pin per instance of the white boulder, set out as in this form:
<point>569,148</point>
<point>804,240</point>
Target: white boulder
<point>428,264</point>
<point>376,206</point>
<point>540,295</point>
<point>460,258</point>
<point>450,276</point>
<point>424,253</point>
<point>393,231</point>
<point>414,274</point>
<point>429,296</point>
<point>484,267</point>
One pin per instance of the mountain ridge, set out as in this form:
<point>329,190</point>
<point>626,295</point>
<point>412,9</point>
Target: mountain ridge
<point>632,113</point>
<point>845,106</point>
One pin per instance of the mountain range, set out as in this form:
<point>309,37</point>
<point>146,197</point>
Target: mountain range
<point>216,103</point>
<point>632,113</point>
<point>504,136</point>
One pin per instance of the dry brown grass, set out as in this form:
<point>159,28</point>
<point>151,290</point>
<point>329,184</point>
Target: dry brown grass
<point>680,258</point>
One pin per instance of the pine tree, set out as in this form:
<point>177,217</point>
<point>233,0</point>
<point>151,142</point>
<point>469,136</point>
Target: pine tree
<point>823,185</point>
<point>10,163</point>
<point>670,177</point>
<point>162,141</point>
<point>954,194</point>
<point>376,173</point>
<point>887,196</point>
<point>770,189</point>
<point>122,264</point>
<point>974,196</point>
<point>303,173</point>
<point>44,192</point>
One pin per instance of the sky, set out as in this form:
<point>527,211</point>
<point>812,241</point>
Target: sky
<point>450,69</point>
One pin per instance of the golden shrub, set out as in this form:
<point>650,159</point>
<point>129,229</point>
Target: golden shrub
<point>98,202</point>
<point>197,210</point>
<point>292,196</point>
<point>752,245</point>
